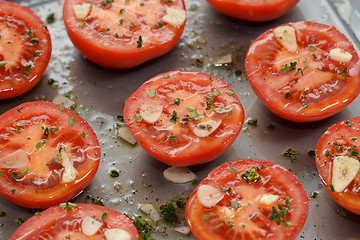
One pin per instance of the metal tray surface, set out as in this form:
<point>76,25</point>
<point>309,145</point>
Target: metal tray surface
<point>100,95</point>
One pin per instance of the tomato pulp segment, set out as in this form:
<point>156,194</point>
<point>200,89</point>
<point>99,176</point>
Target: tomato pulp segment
<point>25,49</point>
<point>124,34</point>
<point>254,10</point>
<point>303,71</point>
<point>247,199</point>
<point>337,161</point>
<point>48,154</point>
<point>184,118</point>
<point>77,221</point>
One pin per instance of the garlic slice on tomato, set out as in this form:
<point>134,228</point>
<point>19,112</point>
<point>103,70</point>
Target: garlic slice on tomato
<point>69,174</point>
<point>82,10</point>
<point>204,129</point>
<point>117,234</point>
<point>175,16</point>
<point>269,199</point>
<point>179,174</point>
<point>340,55</point>
<point>17,160</point>
<point>343,172</point>
<point>90,226</point>
<point>287,37</point>
<point>150,113</point>
<point>209,196</point>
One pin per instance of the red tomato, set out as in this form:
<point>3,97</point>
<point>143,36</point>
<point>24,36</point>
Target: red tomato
<point>341,139</point>
<point>124,34</point>
<point>258,200</point>
<point>48,154</point>
<point>69,221</point>
<point>254,10</point>
<point>306,84</point>
<point>184,118</point>
<point>25,49</point>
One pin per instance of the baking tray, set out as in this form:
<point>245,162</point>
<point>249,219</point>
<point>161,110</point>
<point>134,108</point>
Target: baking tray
<point>100,95</point>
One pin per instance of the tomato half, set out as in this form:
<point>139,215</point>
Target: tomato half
<point>254,10</point>
<point>315,76</point>
<point>184,118</point>
<point>48,154</point>
<point>77,221</point>
<point>124,34</point>
<point>341,139</point>
<point>247,199</point>
<point>25,49</point>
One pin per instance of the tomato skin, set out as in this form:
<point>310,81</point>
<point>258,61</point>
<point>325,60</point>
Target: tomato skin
<point>42,225</point>
<point>346,134</point>
<point>273,179</point>
<point>321,91</point>
<point>84,149</point>
<point>192,88</point>
<point>15,84</point>
<point>254,11</point>
<point>117,53</point>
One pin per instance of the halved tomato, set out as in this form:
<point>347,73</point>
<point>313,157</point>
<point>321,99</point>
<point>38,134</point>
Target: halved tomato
<point>77,221</point>
<point>184,118</point>
<point>247,199</point>
<point>48,154</point>
<point>304,71</point>
<point>338,163</point>
<point>25,49</point>
<point>124,34</point>
<point>254,10</point>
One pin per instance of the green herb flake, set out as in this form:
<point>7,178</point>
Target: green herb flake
<point>15,176</point>
<point>160,24</point>
<point>2,64</point>
<point>348,124</point>
<point>252,121</point>
<point>167,76</point>
<point>143,227</point>
<point>172,138</point>
<point>232,170</point>
<point>38,213</point>
<point>139,42</point>
<point>72,121</point>
<point>50,18</point>
<point>151,93</point>
<point>105,214</point>
<point>67,206</point>
<point>2,214</point>
<point>12,191</point>
<point>353,139</point>
<point>235,204</point>
<point>206,217</point>
<point>25,75</point>
<point>228,92</point>
<point>25,171</point>
<point>312,48</point>
<point>138,117</point>
<point>34,41</point>
<point>217,92</point>
<point>177,101</point>
<point>169,212</point>
<point>331,188</point>
<point>114,173</point>
<point>62,107</point>
<point>8,25</point>
<point>341,212</point>
<point>19,221</point>
<point>238,72</point>
<point>314,56</point>
<point>311,153</point>
<point>251,175</point>
<point>291,154</point>
<point>270,126</point>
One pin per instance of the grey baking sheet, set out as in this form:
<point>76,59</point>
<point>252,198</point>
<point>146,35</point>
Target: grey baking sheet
<point>100,95</point>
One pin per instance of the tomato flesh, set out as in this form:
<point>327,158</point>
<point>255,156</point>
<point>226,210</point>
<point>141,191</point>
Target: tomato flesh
<point>25,49</point>
<point>341,139</point>
<point>122,34</point>
<point>59,223</point>
<point>241,214</point>
<point>200,117</point>
<point>41,130</point>
<point>254,10</point>
<point>316,86</point>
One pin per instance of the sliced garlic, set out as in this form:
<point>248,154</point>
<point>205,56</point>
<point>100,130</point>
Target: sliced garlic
<point>227,59</point>
<point>69,174</point>
<point>61,99</point>
<point>175,16</point>
<point>287,37</point>
<point>90,226</point>
<point>179,174</point>
<point>209,196</point>
<point>81,11</point>
<point>126,135</point>
<point>340,55</point>
<point>227,212</point>
<point>344,171</point>
<point>204,129</point>
<point>182,229</point>
<point>17,159</point>
<point>269,199</point>
<point>117,234</point>
<point>150,113</point>
<point>150,210</point>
